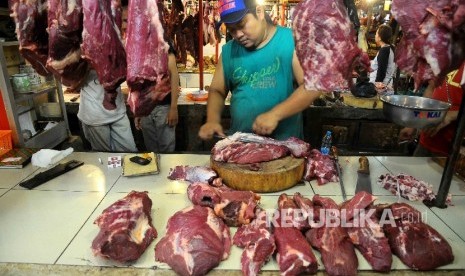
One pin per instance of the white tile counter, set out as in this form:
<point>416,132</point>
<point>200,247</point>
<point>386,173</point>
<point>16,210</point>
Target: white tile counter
<point>53,224</point>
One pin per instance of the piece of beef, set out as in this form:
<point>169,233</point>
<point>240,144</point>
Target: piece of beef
<point>360,201</point>
<point>236,207</point>
<point>326,44</point>
<point>365,231</point>
<point>258,244</point>
<point>370,240</point>
<point>30,17</point>
<point>147,57</point>
<point>117,13</point>
<point>290,213</point>
<point>248,153</point>
<point>202,194</point>
<point>409,187</point>
<point>193,174</point>
<point>433,41</point>
<point>333,242</point>
<point>126,228</point>
<point>321,167</point>
<point>103,49</point>
<point>228,147</point>
<point>417,244</point>
<point>65,37</point>
<point>196,241</point>
<point>294,254</point>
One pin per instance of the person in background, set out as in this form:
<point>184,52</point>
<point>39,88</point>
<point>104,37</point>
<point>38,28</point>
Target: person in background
<point>436,141</point>
<point>106,130</point>
<point>383,64</point>
<point>159,127</point>
<point>259,67</point>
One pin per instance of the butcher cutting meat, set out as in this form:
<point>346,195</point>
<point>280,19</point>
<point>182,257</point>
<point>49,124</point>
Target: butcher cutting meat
<point>258,67</point>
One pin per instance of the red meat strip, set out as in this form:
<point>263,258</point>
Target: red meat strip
<point>432,44</point>
<point>333,242</point>
<point>320,167</point>
<point>192,174</point>
<point>258,244</point>
<point>294,254</point>
<point>65,38</point>
<point>126,228</point>
<point>30,17</point>
<point>325,44</point>
<point>352,207</point>
<point>147,57</point>
<point>103,49</point>
<point>196,241</point>
<point>417,244</point>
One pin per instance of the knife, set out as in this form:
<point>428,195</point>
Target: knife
<point>363,180</point>
<point>338,168</point>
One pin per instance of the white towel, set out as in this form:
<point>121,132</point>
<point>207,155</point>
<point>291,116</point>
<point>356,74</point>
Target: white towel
<point>47,157</point>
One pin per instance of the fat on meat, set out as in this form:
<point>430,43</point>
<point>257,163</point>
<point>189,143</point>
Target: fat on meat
<point>126,228</point>
<point>258,243</point>
<point>418,245</point>
<point>320,167</point>
<point>103,49</point>
<point>333,242</point>
<point>294,254</point>
<point>30,17</point>
<point>433,41</point>
<point>325,44</point>
<point>65,37</point>
<point>196,241</point>
<point>147,57</point>
<point>193,174</point>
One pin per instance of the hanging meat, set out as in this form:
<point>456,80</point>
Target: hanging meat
<point>103,49</point>
<point>325,44</point>
<point>433,41</point>
<point>30,17</point>
<point>65,38</point>
<point>190,30</point>
<point>147,57</point>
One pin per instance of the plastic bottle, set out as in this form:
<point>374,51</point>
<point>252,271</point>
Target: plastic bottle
<point>326,143</point>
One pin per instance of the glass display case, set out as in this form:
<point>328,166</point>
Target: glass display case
<point>34,104</point>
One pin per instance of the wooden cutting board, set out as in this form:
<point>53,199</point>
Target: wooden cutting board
<point>368,103</point>
<point>273,176</point>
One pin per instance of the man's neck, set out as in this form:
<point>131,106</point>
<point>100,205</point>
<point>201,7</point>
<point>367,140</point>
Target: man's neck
<point>270,30</point>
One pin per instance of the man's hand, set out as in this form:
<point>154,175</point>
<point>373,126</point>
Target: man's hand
<point>207,131</point>
<point>449,118</point>
<point>407,133</point>
<point>172,119</point>
<point>137,123</point>
<point>265,123</point>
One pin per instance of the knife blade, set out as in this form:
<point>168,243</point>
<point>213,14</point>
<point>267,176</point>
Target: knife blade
<point>338,169</point>
<point>363,179</point>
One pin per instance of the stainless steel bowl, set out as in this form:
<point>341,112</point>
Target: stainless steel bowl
<point>413,111</point>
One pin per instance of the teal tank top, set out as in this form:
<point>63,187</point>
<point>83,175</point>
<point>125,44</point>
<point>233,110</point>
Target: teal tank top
<point>259,80</point>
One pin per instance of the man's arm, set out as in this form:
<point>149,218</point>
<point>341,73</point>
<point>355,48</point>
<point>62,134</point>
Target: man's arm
<point>299,100</point>
<point>215,105</point>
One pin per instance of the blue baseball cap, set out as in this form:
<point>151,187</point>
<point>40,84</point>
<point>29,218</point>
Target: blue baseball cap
<point>232,11</point>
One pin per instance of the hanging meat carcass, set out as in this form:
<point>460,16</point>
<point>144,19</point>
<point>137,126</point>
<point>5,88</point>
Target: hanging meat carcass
<point>65,37</point>
<point>325,44</point>
<point>433,41</point>
<point>102,47</point>
<point>30,17</point>
<point>147,57</point>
